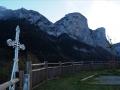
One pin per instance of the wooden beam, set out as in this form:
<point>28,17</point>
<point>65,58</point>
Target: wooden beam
<point>7,84</point>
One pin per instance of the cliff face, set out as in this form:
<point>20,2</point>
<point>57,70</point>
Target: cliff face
<point>99,37</point>
<point>68,39</point>
<point>116,48</point>
<point>76,26</point>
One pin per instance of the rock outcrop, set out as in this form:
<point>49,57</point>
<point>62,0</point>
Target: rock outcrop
<point>76,26</point>
<point>99,38</point>
<point>116,48</point>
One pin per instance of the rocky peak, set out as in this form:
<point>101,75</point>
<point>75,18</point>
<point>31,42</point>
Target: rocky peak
<point>5,13</point>
<point>100,32</point>
<point>72,22</point>
<point>75,25</point>
<point>99,37</point>
<point>76,19</point>
<point>2,8</point>
<point>37,19</point>
<point>31,16</point>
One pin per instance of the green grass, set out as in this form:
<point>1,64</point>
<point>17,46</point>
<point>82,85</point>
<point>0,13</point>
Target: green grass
<point>72,82</point>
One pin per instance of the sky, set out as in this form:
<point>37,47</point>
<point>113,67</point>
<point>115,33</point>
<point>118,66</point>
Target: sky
<point>100,13</point>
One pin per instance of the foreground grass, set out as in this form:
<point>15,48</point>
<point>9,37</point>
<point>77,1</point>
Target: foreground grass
<point>72,82</point>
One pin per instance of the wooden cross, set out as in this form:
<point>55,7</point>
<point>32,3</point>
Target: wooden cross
<point>15,44</point>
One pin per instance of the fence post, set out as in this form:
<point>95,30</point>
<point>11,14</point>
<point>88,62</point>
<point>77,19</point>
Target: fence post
<point>73,69</point>
<point>30,72</point>
<point>92,65</point>
<point>27,77</point>
<point>60,65</point>
<point>21,76</point>
<point>46,70</point>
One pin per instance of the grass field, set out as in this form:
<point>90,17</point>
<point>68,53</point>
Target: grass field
<point>73,82</point>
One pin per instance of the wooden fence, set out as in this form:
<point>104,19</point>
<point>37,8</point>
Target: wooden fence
<point>42,72</point>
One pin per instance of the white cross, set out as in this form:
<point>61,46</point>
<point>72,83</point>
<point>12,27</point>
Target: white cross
<point>15,44</point>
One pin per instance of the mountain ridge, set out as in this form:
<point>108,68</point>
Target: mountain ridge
<point>49,41</point>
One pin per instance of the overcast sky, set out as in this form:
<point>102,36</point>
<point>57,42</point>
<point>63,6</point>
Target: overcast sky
<point>100,13</point>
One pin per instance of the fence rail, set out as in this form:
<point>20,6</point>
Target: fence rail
<point>5,85</point>
<point>18,81</point>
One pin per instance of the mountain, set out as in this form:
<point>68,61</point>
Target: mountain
<point>69,39</point>
<point>99,38</point>
<point>76,26</point>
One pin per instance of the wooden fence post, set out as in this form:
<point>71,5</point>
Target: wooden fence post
<point>91,65</point>
<point>30,72</point>
<point>60,65</point>
<point>73,69</point>
<point>46,70</point>
<point>21,76</point>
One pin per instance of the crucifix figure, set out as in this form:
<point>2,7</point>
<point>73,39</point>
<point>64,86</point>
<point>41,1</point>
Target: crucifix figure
<point>15,44</point>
